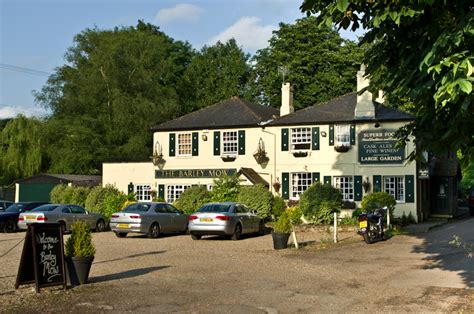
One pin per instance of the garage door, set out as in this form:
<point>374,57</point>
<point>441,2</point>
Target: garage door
<point>35,192</point>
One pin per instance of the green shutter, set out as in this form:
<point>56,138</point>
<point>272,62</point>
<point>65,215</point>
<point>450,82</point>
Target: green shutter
<point>161,191</point>
<point>217,143</point>
<point>357,188</point>
<point>315,138</point>
<point>285,187</point>
<point>242,142</point>
<point>353,134</point>
<point>315,176</point>
<point>284,140</point>
<point>410,189</point>
<point>130,188</point>
<point>195,144</point>
<point>331,135</point>
<point>377,183</point>
<point>172,144</point>
<point>327,180</point>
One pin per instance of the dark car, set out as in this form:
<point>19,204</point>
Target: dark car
<point>4,205</point>
<point>9,218</point>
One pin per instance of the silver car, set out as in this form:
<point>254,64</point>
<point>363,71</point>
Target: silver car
<point>65,214</point>
<point>227,218</point>
<point>150,218</point>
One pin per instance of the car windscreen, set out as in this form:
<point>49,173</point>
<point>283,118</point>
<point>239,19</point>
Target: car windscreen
<point>45,208</point>
<point>214,208</point>
<point>13,209</point>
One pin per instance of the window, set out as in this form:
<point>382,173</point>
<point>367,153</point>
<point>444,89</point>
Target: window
<point>301,138</point>
<point>143,192</point>
<point>343,135</point>
<point>345,186</point>
<point>300,181</point>
<point>174,192</point>
<point>395,186</point>
<point>184,144</point>
<point>230,143</point>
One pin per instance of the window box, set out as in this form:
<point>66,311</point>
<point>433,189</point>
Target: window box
<point>342,148</point>
<point>228,158</point>
<point>300,154</point>
<point>348,205</point>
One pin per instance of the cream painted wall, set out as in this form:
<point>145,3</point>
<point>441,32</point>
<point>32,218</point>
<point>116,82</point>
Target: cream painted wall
<point>121,174</point>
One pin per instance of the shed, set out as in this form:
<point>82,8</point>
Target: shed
<point>38,187</point>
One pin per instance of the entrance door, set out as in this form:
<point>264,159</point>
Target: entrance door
<point>442,194</point>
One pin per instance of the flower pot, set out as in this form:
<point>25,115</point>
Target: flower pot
<point>77,269</point>
<point>280,240</point>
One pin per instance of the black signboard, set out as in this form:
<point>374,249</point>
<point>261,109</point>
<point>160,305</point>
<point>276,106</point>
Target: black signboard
<point>380,147</point>
<point>42,259</point>
<point>193,173</point>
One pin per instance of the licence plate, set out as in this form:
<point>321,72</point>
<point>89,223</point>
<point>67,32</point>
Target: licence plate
<point>363,224</point>
<point>30,217</point>
<point>123,225</point>
<point>205,219</point>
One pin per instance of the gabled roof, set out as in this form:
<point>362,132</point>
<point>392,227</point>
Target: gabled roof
<point>253,176</point>
<point>77,179</point>
<point>231,113</point>
<point>339,110</point>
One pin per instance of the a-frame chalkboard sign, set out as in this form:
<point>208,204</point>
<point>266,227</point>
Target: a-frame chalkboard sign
<point>42,259</point>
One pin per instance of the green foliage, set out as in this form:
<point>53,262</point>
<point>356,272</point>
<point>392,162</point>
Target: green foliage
<point>283,224</point>
<point>431,71</point>
<point>278,207</point>
<point>257,197</point>
<point>193,198</point>
<point>56,194</point>
<point>350,221</point>
<point>372,201</point>
<point>405,220</point>
<point>321,65</point>
<point>79,244</point>
<point>294,214</point>
<point>226,189</point>
<point>457,241</point>
<point>319,202</point>
<point>105,200</point>
<point>79,195</point>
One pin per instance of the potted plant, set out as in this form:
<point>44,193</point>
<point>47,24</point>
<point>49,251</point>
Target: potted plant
<point>80,252</point>
<point>281,231</point>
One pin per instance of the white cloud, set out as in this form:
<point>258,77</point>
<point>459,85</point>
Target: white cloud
<point>249,33</point>
<point>11,112</point>
<point>180,12</point>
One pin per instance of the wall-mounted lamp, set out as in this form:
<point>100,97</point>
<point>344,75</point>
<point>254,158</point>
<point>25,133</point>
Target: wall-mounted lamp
<point>377,125</point>
<point>204,137</point>
<point>323,133</point>
<point>157,157</point>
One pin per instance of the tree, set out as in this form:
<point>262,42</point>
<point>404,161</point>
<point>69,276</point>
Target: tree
<point>321,65</point>
<point>421,55</point>
<point>116,84</point>
<point>218,72</point>
<point>21,148</point>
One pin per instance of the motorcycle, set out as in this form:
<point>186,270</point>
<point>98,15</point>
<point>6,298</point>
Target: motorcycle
<point>371,225</point>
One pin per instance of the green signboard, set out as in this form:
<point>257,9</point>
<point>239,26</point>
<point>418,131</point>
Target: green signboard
<point>193,173</point>
<point>379,147</point>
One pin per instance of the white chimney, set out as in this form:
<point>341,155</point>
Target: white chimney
<point>286,99</point>
<point>365,107</point>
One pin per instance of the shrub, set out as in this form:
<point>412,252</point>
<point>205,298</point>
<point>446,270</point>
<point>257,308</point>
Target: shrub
<point>226,189</point>
<point>193,198</point>
<point>66,196</point>
<point>113,203</point>
<point>283,224</point>
<point>79,195</point>
<point>80,242</point>
<point>294,214</point>
<point>102,200</point>
<point>257,197</point>
<point>319,202</point>
<point>278,207</point>
<point>56,194</point>
<point>376,200</point>
<point>349,221</point>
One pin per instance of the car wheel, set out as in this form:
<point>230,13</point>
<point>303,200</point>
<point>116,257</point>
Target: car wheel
<point>120,234</point>
<point>196,236</point>
<point>261,227</point>
<point>10,226</point>
<point>100,226</point>
<point>154,231</point>
<point>237,233</point>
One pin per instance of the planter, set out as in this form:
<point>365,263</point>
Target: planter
<point>280,240</point>
<point>77,269</point>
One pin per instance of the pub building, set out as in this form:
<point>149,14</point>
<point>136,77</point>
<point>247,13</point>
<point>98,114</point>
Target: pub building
<point>347,142</point>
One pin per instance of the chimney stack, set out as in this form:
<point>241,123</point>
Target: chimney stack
<point>365,107</point>
<point>286,99</point>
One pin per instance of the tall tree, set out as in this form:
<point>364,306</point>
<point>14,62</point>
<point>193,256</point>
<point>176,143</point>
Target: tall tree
<point>316,61</point>
<point>218,72</point>
<point>421,55</point>
<point>21,148</point>
<point>115,86</point>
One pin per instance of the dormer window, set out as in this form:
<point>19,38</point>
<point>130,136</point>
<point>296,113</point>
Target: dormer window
<point>343,135</point>
<point>230,143</point>
<point>300,139</point>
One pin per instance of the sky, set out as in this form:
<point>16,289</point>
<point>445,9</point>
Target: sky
<point>35,34</point>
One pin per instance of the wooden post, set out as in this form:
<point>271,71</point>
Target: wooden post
<point>335,227</point>
<point>293,233</point>
<point>388,219</point>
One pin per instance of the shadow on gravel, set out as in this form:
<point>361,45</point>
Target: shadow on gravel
<point>130,256</point>
<point>446,256</point>
<point>127,274</point>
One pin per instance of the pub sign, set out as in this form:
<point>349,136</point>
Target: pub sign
<point>379,147</point>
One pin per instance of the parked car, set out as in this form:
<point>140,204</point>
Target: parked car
<point>226,218</point>
<point>65,214</point>
<point>9,217</point>
<point>4,205</point>
<point>150,218</point>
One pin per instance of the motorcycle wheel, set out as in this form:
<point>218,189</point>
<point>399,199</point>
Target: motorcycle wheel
<point>367,238</point>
